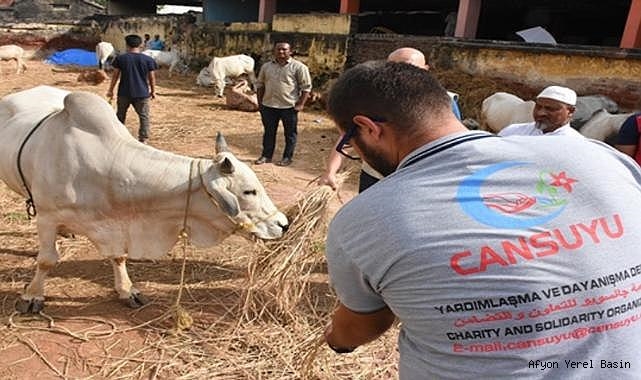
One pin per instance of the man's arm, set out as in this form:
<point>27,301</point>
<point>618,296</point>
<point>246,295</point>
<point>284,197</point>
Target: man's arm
<point>630,150</point>
<point>260,93</point>
<point>349,329</point>
<point>115,75</point>
<point>334,162</point>
<point>300,104</point>
<point>304,80</point>
<point>151,77</point>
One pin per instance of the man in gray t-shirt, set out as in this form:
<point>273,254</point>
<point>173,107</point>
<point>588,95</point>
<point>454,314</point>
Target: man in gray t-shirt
<point>501,258</point>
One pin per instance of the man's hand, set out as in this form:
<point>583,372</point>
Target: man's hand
<point>328,179</point>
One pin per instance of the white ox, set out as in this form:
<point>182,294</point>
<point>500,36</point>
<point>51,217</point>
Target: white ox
<point>603,125</point>
<point>13,53</point>
<point>87,175</point>
<point>169,59</point>
<point>233,66</point>
<point>502,109</point>
<point>104,52</point>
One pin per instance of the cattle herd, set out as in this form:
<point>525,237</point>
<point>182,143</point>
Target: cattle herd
<point>118,202</point>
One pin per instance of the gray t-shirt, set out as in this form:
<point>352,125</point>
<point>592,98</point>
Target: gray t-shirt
<point>284,84</point>
<point>502,258</point>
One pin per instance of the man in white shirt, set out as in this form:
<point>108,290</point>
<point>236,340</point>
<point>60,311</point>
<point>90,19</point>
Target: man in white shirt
<point>553,110</point>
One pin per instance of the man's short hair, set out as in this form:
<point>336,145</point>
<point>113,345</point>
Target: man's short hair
<point>400,93</point>
<point>133,40</point>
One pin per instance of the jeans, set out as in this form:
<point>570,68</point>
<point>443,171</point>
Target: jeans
<point>141,106</point>
<point>270,118</point>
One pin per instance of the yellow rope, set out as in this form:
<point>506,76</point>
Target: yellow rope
<point>181,317</point>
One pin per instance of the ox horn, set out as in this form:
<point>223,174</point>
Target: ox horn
<point>221,144</point>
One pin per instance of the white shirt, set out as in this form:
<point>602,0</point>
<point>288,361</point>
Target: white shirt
<point>530,129</point>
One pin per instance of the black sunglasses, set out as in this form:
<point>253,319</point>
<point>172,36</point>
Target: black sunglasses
<point>351,132</point>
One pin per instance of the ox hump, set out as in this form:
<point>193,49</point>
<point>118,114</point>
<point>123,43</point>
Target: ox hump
<point>91,113</point>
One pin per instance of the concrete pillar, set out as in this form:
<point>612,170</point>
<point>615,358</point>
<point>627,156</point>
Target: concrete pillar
<point>350,6</point>
<point>467,20</point>
<point>632,32</point>
<point>266,10</point>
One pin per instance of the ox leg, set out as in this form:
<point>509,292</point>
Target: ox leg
<point>122,283</point>
<point>32,299</point>
<point>252,80</point>
<point>171,69</point>
<point>220,87</point>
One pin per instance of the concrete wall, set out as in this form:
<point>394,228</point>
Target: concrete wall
<point>198,43</point>
<point>324,43</point>
<point>42,39</point>
<point>114,29</point>
<point>41,10</point>
<point>313,23</point>
<point>587,69</point>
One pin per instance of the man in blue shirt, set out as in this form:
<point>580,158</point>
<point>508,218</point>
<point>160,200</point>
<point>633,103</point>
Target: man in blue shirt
<point>137,83</point>
<point>156,43</point>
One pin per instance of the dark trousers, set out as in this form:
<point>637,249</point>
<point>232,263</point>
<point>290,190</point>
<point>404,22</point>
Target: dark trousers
<point>141,106</point>
<point>270,118</point>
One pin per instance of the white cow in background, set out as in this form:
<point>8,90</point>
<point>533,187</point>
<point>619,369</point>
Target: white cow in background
<point>502,109</point>
<point>105,53</point>
<point>603,125</point>
<point>587,105</point>
<point>13,53</point>
<point>87,175</point>
<point>233,66</point>
<point>169,59</point>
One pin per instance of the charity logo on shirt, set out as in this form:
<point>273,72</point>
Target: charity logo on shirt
<point>546,200</point>
<point>550,193</point>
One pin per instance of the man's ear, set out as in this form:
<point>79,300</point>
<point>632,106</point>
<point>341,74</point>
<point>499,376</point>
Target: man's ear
<point>368,126</point>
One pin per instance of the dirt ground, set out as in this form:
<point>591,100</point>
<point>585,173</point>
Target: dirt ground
<point>87,333</point>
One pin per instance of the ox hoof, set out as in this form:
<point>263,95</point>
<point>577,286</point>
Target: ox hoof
<point>33,306</point>
<point>136,300</point>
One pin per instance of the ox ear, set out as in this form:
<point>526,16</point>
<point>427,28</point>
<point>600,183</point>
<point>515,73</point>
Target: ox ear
<point>226,166</point>
<point>226,199</point>
<point>221,143</point>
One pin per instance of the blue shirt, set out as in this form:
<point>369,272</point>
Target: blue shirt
<point>134,72</point>
<point>156,45</point>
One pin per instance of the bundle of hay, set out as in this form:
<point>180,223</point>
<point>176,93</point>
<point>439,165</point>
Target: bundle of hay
<point>280,272</point>
<point>93,77</point>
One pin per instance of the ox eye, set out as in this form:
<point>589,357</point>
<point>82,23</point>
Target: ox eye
<point>249,192</point>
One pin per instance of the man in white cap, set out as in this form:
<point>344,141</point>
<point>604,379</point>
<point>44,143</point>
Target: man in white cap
<point>553,110</point>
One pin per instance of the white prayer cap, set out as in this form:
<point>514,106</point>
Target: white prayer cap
<point>561,94</point>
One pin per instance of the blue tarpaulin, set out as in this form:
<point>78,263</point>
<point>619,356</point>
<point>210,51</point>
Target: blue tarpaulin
<point>77,57</point>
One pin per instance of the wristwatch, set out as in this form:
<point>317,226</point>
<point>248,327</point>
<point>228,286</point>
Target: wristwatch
<point>341,350</point>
